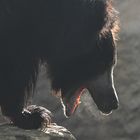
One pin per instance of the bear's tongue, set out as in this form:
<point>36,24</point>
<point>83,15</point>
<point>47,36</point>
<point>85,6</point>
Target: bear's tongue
<point>72,104</point>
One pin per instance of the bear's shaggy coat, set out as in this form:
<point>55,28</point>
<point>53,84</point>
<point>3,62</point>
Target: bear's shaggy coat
<point>76,41</point>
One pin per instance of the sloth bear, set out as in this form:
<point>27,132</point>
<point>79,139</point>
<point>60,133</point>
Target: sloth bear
<point>74,39</point>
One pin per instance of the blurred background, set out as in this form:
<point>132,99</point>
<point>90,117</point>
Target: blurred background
<point>123,124</point>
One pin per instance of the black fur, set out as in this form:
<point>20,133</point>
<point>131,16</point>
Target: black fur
<point>75,38</point>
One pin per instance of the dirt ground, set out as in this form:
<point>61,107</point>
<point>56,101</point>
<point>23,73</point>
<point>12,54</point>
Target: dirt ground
<point>123,124</point>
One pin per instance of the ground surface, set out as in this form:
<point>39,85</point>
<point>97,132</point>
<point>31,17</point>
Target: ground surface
<point>53,132</point>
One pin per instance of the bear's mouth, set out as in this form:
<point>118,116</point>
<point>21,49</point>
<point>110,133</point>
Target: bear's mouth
<point>106,100</point>
<point>69,100</point>
<point>72,101</point>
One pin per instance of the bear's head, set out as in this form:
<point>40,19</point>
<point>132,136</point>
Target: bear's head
<point>91,70</point>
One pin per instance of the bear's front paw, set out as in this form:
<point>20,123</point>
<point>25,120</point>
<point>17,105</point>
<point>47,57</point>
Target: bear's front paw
<point>33,117</point>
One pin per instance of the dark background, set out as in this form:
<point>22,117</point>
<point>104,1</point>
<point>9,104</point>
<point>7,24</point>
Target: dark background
<point>123,124</point>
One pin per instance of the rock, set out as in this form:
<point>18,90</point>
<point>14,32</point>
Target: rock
<point>52,132</point>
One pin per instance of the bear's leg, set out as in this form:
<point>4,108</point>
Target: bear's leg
<point>15,85</point>
<point>19,64</point>
<point>32,117</point>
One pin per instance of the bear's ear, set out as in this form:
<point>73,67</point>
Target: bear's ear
<point>70,100</point>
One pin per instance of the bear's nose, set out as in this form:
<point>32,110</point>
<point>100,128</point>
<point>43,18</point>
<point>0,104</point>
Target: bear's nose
<point>107,106</point>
